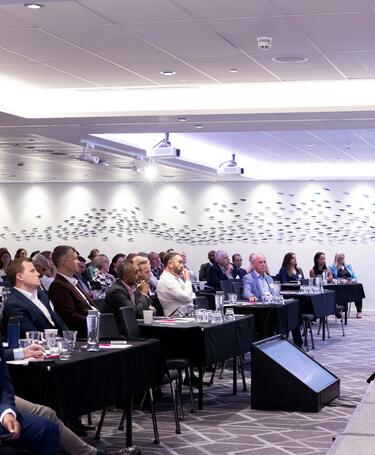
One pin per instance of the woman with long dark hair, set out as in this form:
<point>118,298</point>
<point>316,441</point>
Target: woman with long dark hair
<point>320,266</point>
<point>289,270</point>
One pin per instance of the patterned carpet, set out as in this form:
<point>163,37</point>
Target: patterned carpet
<point>227,424</point>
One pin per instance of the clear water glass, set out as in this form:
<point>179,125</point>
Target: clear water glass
<point>71,335</point>
<point>217,317</point>
<point>23,342</point>
<point>33,336</point>
<point>232,298</point>
<point>229,314</point>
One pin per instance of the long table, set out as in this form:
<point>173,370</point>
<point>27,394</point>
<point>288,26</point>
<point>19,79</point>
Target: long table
<point>345,293</point>
<point>320,305</point>
<point>203,343</point>
<point>271,319</point>
<point>90,381</point>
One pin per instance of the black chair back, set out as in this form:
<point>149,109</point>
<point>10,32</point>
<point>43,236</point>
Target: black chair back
<point>108,327</point>
<point>98,304</point>
<point>201,303</point>
<point>226,287</point>
<point>129,321</point>
<point>237,288</point>
<point>210,298</point>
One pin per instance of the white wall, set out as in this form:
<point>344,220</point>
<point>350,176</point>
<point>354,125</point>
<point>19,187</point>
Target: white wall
<point>273,218</point>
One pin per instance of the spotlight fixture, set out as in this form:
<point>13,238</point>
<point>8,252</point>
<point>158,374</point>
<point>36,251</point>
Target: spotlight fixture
<point>230,167</point>
<point>33,5</point>
<point>150,171</point>
<point>168,73</point>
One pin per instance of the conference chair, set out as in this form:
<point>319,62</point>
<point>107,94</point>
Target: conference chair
<point>174,366</point>
<point>226,287</point>
<point>237,288</point>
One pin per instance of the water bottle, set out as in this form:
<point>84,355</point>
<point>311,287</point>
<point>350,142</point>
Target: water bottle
<point>93,321</point>
<point>219,301</point>
<point>14,332</point>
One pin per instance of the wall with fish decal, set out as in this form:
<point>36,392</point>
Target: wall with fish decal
<point>240,217</point>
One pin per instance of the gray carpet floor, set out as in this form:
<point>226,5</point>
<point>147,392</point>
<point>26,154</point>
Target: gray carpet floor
<point>227,424</point>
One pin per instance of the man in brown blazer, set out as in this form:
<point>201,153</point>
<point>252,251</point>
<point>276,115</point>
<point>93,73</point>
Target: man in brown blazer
<point>69,299</point>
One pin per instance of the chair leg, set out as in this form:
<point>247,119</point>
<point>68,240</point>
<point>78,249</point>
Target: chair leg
<point>121,425</point>
<point>211,381</point>
<point>312,337</point>
<point>306,343</point>
<point>320,324</point>
<point>328,334</point>
<point>342,323</point>
<point>242,368</point>
<point>100,425</point>
<point>89,419</point>
<point>188,377</point>
<point>179,397</point>
<point>222,369</point>
<point>153,415</point>
<point>176,417</point>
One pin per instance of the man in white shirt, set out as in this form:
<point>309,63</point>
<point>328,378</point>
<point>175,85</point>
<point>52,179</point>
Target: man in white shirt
<point>257,283</point>
<point>174,288</point>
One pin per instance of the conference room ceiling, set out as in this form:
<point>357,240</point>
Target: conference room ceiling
<point>96,46</point>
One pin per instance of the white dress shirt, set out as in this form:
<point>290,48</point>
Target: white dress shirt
<point>173,292</point>
<point>33,296</point>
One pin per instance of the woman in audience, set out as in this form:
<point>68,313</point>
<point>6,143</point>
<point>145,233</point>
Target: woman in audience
<point>344,273</point>
<point>4,261</point>
<point>341,270</point>
<point>117,259</point>
<point>91,267</point>
<point>289,270</point>
<point>20,253</point>
<point>102,279</point>
<point>320,267</point>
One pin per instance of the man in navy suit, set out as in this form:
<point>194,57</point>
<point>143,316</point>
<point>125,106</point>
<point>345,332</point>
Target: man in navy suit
<point>257,283</point>
<point>37,434</point>
<point>28,301</point>
<point>221,270</point>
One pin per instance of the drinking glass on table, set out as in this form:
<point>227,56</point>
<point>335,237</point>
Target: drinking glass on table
<point>24,342</point>
<point>65,348</point>
<point>232,298</point>
<point>33,336</point>
<point>217,317</point>
<point>229,314</point>
<point>71,335</point>
<point>50,337</point>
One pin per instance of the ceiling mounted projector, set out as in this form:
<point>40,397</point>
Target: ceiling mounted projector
<point>87,154</point>
<point>163,149</point>
<point>230,168</point>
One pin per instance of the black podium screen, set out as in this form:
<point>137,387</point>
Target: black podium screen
<point>298,363</point>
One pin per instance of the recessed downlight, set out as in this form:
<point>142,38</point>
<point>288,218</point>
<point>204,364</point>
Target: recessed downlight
<point>168,73</point>
<point>199,126</point>
<point>310,144</point>
<point>233,70</point>
<point>33,5</point>
<point>290,59</point>
<point>182,119</point>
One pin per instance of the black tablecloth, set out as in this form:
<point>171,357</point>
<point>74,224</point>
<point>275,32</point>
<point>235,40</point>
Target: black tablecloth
<point>91,380</point>
<point>320,305</point>
<point>203,343</point>
<point>345,293</point>
<point>271,318</point>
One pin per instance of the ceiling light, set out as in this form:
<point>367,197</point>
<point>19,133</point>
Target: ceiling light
<point>199,126</point>
<point>233,70</point>
<point>168,73</point>
<point>106,164</point>
<point>290,59</point>
<point>182,119</point>
<point>33,5</point>
<point>310,145</point>
<point>150,171</point>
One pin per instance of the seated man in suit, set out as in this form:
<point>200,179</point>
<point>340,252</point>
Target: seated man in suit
<point>174,288</point>
<point>69,442</point>
<point>69,299</point>
<point>221,270</point>
<point>203,271</point>
<point>36,434</point>
<point>127,290</point>
<point>28,301</point>
<point>257,283</point>
<point>238,272</point>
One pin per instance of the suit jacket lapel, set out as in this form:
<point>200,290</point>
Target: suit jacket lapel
<point>29,303</point>
<point>74,289</point>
